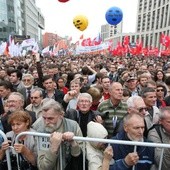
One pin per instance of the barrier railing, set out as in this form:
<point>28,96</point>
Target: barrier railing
<point>109,141</point>
<point>7,151</point>
<point>85,139</point>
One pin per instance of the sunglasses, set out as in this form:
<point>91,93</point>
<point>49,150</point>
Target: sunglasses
<point>141,109</point>
<point>158,90</point>
<point>34,97</point>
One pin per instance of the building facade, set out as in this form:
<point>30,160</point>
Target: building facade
<point>33,19</point>
<point>153,19</point>
<point>49,39</point>
<point>20,17</point>
<point>7,19</point>
<point>108,31</point>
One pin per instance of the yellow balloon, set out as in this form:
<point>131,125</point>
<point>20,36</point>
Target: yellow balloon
<point>80,22</point>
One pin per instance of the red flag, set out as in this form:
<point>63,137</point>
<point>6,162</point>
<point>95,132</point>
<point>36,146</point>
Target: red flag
<point>97,40</point>
<point>162,38</point>
<point>139,46</point>
<point>126,41</point>
<point>6,52</point>
<point>165,40</point>
<point>9,42</point>
<point>81,37</point>
<point>86,42</point>
<point>145,51</point>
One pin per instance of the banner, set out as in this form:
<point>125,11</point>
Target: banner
<point>28,42</point>
<point>88,49</point>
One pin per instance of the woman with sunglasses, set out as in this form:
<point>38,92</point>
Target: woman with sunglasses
<point>160,94</point>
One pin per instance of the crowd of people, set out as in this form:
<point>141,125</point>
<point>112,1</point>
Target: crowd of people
<point>98,96</point>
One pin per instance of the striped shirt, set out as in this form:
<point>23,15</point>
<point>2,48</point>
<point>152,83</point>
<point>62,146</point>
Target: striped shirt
<point>112,115</point>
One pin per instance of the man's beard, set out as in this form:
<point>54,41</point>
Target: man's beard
<point>13,109</point>
<point>52,128</point>
<point>135,139</point>
<point>36,105</point>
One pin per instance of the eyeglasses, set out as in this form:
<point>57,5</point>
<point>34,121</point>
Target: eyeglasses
<point>28,80</point>
<point>158,90</point>
<point>84,101</point>
<point>12,101</point>
<point>141,109</point>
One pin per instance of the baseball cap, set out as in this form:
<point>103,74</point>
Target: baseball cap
<point>131,77</point>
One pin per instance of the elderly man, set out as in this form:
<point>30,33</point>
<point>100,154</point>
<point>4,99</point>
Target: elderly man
<point>135,105</point>
<point>28,81</point>
<point>62,131</point>
<point>113,109</point>
<point>15,103</point>
<point>83,115</point>
<point>161,134</point>
<point>124,155</point>
<point>36,101</point>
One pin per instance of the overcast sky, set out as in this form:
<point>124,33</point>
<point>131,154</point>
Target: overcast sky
<point>59,16</point>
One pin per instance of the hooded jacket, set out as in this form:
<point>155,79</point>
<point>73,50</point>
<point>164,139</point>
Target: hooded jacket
<point>95,154</point>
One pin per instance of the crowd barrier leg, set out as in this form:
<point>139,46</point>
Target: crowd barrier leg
<point>61,167</point>
<point>84,155</point>
<point>161,158</point>
<point>7,151</point>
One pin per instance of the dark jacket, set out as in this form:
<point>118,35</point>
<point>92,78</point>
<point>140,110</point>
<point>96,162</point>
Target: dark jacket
<point>146,154</point>
<point>58,95</point>
<point>1,107</point>
<point>81,119</point>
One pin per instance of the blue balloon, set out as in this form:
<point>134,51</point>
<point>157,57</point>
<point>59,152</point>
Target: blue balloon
<point>114,15</point>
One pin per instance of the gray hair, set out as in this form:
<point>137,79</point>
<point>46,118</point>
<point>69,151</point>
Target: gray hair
<point>86,95</point>
<point>28,75</point>
<point>52,104</point>
<point>39,90</point>
<point>145,91</point>
<point>131,100</point>
<point>162,114</point>
<point>127,117</point>
<point>18,94</point>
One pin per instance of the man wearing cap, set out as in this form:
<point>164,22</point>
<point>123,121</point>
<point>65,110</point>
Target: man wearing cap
<point>131,84</point>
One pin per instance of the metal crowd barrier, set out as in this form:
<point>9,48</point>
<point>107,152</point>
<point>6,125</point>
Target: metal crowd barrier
<point>85,139</point>
<point>7,151</point>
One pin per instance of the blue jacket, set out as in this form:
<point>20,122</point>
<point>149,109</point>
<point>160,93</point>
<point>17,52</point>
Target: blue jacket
<point>146,155</point>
